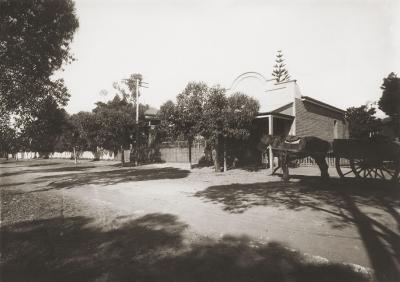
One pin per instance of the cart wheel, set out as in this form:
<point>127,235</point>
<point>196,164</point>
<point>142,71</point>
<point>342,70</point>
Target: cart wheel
<point>343,167</point>
<point>378,169</point>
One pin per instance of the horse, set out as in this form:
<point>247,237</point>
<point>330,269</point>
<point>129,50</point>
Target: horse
<point>292,148</point>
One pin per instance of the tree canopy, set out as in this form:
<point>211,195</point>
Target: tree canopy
<point>189,109</point>
<point>214,113</point>
<point>167,115</point>
<point>86,126</point>
<point>227,119</point>
<point>34,43</point>
<point>362,122</point>
<point>229,116</point>
<point>115,122</point>
<point>239,115</point>
<point>188,112</point>
<point>109,126</point>
<point>8,136</point>
<point>75,135</point>
<point>208,112</point>
<point>127,86</point>
<point>389,102</point>
<point>40,134</point>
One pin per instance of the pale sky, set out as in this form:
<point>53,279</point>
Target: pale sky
<point>338,51</point>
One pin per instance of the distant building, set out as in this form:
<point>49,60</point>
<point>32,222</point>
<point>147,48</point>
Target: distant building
<point>285,111</point>
<point>151,118</point>
<point>152,121</point>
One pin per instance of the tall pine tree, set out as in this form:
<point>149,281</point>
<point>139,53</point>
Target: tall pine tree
<point>279,72</point>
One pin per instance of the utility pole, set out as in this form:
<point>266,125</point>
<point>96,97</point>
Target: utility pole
<point>137,123</point>
<point>138,84</point>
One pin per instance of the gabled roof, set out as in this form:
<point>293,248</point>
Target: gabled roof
<point>151,112</point>
<point>321,104</point>
<point>279,96</point>
<point>282,108</point>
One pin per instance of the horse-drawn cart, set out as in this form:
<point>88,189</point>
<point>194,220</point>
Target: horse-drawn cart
<point>365,159</point>
<point>369,159</point>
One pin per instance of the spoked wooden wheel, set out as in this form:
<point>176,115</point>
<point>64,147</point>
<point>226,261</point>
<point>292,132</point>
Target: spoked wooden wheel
<point>344,168</point>
<point>375,169</point>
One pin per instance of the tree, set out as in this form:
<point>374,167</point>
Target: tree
<point>41,133</point>
<point>167,116</point>
<point>87,127</point>
<point>8,136</point>
<point>127,86</point>
<point>389,103</point>
<point>213,121</point>
<point>362,122</point>
<point>73,138</point>
<point>240,113</point>
<point>129,89</point>
<point>34,43</point>
<point>115,124</point>
<point>227,119</point>
<point>279,72</point>
<point>189,112</point>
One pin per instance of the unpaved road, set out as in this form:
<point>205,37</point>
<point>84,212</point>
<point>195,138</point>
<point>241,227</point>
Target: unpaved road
<point>45,200</point>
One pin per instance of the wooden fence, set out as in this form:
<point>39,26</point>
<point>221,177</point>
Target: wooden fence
<point>102,155</point>
<point>178,152</point>
<point>174,153</point>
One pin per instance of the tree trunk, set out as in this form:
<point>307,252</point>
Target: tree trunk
<point>190,142</point>
<point>225,166</point>
<point>96,154</point>
<point>122,156</point>
<point>285,167</point>
<point>217,153</point>
<point>75,156</point>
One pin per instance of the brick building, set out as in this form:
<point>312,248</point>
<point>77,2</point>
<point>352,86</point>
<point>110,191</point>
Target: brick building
<point>285,111</point>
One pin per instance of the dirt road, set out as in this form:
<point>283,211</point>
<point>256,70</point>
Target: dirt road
<point>166,212</point>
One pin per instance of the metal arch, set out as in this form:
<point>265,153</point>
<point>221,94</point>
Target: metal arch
<point>249,74</point>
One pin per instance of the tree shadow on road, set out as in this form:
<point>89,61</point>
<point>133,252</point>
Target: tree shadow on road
<point>28,163</point>
<point>110,177</point>
<point>149,248</point>
<point>46,170</point>
<point>364,205</point>
<point>44,164</point>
